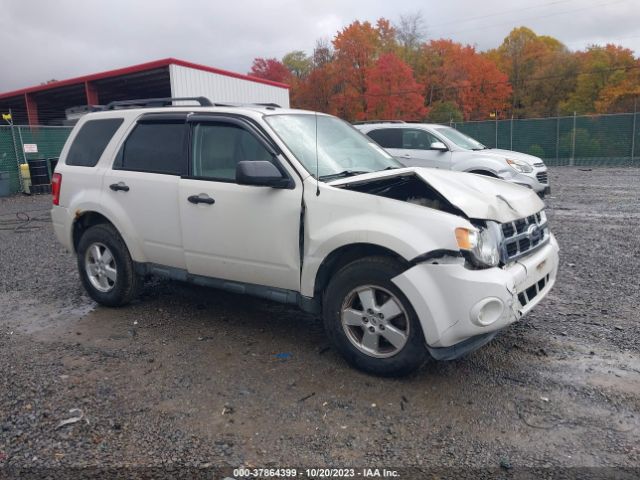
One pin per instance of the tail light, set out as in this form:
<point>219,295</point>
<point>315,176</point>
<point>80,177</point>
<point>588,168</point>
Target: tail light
<point>56,183</point>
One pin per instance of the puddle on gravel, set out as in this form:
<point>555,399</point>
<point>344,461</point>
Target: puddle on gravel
<point>24,314</point>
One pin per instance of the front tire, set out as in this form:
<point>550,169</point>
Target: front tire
<point>105,266</point>
<point>370,321</point>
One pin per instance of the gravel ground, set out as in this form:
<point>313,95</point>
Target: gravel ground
<point>191,376</point>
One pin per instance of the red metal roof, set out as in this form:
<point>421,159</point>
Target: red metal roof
<point>134,69</point>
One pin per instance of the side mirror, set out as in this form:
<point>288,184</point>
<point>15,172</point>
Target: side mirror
<point>260,173</point>
<point>438,146</point>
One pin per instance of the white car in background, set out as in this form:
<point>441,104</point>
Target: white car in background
<point>439,146</point>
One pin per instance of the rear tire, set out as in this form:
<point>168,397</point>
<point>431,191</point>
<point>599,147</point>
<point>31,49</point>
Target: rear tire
<point>105,266</point>
<point>370,321</point>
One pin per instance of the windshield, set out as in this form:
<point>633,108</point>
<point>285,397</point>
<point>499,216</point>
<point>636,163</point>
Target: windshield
<point>341,149</point>
<point>460,139</point>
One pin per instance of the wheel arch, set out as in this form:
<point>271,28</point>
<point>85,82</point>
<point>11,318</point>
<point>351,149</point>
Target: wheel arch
<point>487,173</point>
<point>346,254</point>
<point>86,219</point>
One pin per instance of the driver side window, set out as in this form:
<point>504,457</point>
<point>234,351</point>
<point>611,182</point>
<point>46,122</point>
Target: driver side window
<point>216,149</point>
<point>417,140</point>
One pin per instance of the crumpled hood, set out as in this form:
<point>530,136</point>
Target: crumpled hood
<point>504,154</point>
<point>477,196</point>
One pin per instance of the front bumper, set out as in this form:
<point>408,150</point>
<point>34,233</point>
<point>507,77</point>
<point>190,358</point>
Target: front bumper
<point>531,180</point>
<point>455,304</point>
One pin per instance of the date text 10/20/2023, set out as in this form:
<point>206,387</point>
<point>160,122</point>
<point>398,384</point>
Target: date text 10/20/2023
<point>314,473</point>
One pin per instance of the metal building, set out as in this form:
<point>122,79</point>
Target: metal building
<point>48,104</point>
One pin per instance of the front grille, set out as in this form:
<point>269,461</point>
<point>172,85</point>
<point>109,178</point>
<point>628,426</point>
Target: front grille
<point>542,177</point>
<point>531,292</point>
<point>539,164</point>
<point>523,236</point>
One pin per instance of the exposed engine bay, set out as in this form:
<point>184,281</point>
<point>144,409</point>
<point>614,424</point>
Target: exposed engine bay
<point>407,188</point>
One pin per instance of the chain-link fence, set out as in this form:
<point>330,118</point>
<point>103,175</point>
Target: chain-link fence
<point>606,140</point>
<point>48,141</point>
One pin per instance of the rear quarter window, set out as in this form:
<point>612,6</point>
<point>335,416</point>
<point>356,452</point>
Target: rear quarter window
<point>387,137</point>
<point>155,148</point>
<point>91,140</point>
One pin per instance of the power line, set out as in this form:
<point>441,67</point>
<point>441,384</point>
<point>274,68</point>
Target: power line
<point>506,12</point>
<point>536,18</point>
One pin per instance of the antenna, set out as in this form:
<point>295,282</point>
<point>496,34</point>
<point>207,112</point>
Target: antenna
<point>315,114</point>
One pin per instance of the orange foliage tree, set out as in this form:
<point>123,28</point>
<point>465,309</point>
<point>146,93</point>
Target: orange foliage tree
<point>457,73</point>
<point>362,73</point>
<point>270,69</point>
<point>392,92</point>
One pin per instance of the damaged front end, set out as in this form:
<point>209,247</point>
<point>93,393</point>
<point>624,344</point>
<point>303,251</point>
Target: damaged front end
<point>506,260</point>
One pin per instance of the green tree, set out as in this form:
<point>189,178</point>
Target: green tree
<point>298,63</point>
<point>444,112</point>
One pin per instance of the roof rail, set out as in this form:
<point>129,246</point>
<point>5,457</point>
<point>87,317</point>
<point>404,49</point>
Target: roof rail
<point>239,104</point>
<point>367,122</point>
<point>156,102</point>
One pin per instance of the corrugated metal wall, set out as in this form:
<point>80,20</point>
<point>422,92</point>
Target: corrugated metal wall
<point>189,82</point>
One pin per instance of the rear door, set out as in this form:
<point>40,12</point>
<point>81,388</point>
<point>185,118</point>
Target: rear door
<point>243,233</point>
<point>141,189</point>
<point>412,147</point>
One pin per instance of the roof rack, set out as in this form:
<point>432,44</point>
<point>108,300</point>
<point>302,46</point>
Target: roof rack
<point>156,102</point>
<point>237,104</point>
<point>367,122</point>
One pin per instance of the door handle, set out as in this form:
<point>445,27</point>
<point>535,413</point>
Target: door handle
<point>119,186</point>
<point>202,198</point>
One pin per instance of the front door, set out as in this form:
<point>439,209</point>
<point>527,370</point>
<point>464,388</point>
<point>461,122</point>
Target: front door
<point>412,147</point>
<point>242,233</point>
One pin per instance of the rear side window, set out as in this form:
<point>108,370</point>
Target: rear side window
<point>155,148</point>
<point>387,137</point>
<point>91,140</point>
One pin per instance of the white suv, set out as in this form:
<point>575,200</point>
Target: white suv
<point>439,146</point>
<point>301,208</point>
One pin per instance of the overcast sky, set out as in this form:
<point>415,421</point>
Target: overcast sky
<point>41,40</point>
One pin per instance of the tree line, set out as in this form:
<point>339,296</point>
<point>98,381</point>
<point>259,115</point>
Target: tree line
<point>390,71</point>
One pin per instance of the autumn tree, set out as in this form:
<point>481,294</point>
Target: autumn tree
<point>356,49</point>
<point>608,80</point>
<point>541,71</point>
<point>270,69</point>
<point>392,92</point>
<point>316,90</point>
<point>452,72</point>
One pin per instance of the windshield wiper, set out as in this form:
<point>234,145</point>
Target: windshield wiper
<point>343,174</point>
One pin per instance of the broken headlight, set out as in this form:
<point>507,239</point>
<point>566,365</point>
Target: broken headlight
<point>481,245</point>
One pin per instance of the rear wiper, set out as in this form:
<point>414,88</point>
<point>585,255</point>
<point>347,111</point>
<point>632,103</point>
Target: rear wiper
<point>343,174</point>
